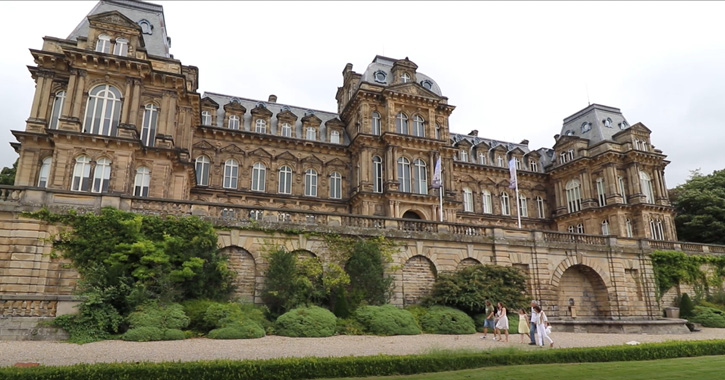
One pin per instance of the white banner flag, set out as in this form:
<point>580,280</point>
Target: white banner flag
<point>436,184</point>
<point>512,170</point>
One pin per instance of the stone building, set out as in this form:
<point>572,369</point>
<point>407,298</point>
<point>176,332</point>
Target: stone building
<point>116,120</point>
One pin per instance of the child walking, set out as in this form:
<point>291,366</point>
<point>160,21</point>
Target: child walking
<point>523,324</point>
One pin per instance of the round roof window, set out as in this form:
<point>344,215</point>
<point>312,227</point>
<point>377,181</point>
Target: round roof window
<point>380,76</point>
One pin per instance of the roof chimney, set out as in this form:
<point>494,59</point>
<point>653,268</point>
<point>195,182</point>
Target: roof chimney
<point>473,132</point>
<point>524,142</point>
<point>273,99</point>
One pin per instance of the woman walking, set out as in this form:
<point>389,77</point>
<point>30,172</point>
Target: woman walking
<point>503,322</point>
<point>542,328</point>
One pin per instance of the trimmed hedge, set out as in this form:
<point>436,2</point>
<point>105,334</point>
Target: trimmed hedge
<point>312,321</point>
<point>379,365</point>
<point>244,330</point>
<point>446,320</point>
<point>387,320</point>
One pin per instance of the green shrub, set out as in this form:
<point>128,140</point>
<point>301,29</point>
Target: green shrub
<point>173,334</point>
<point>369,284</point>
<point>245,330</point>
<point>195,310</point>
<point>291,281</point>
<point>709,317</point>
<point>310,321</point>
<point>446,320</point>
<point>387,320</point>
<point>712,305</point>
<point>686,306</point>
<point>417,311</point>
<point>478,320</point>
<point>222,314</point>
<point>143,334</point>
<point>349,326</point>
<point>513,322</point>
<point>162,317</point>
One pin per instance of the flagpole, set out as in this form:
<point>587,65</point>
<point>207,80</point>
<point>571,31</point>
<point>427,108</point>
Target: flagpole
<point>518,204</point>
<point>440,195</point>
<point>515,182</point>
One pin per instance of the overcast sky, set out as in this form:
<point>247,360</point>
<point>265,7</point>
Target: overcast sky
<point>513,70</point>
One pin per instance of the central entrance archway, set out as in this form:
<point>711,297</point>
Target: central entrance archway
<point>585,287</point>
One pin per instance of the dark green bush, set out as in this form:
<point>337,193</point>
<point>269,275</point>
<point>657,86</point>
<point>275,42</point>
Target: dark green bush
<point>162,317</point>
<point>513,322</point>
<point>369,284</point>
<point>244,330</point>
<point>143,334</point>
<point>195,310</point>
<point>478,319</point>
<point>709,317</point>
<point>417,311</point>
<point>349,326</point>
<point>387,320</point>
<point>446,320</point>
<point>222,314</point>
<point>173,334</point>
<point>310,321</point>
<point>291,281</point>
<point>687,307</point>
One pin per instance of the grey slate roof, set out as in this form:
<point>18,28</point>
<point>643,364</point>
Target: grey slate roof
<point>595,116</point>
<point>385,64</point>
<point>157,43</point>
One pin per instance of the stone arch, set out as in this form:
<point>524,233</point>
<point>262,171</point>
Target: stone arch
<point>414,214</point>
<point>243,264</point>
<point>418,275</point>
<point>588,290</point>
<point>467,262</point>
<point>305,254</point>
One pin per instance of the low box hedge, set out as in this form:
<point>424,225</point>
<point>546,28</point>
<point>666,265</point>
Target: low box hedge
<point>379,365</point>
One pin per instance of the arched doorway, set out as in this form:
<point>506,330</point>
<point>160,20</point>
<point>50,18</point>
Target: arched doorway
<point>410,214</point>
<point>418,274</point>
<point>585,287</point>
<point>242,263</point>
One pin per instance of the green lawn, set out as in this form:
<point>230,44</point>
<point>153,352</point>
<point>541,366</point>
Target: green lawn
<point>704,367</point>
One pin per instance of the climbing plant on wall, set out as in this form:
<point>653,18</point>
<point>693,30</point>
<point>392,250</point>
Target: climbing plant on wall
<point>673,267</point>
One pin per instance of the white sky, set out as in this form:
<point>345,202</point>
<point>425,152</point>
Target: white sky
<point>513,70</point>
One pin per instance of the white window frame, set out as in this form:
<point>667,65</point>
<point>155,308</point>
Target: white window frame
<point>120,47</point>
<point>401,124</point>
<point>206,118</point>
<point>467,200</point>
<point>311,134</point>
<point>231,174</point>
<point>482,159</point>
<point>533,166</point>
<point>44,172</point>
<point>377,174</point>
<point>487,201</point>
<point>580,228</point>
<point>573,196</point>
<point>103,44</point>
<point>234,122</point>
<point>335,185</point>
<point>103,110</point>
<point>464,155</point>
<point>628,228</point>
<point>149,125</point>
<point>418,126</point>
<point>142,182</point>
<point>646,184</point>
<point>259,177</point>
<point>540,208</point>
<point>376,126</point>
<point>622,189</point>
<point>334,137</point>
<point>202,166</point>
<point>420,170</point>
<point>404,175</point>
<point>601,195</point>
<point>81,174</point>
<point>260,126</point>
<point>605,227</point>
<point>310,183</point>
<point>58,102</point>
<point>523,206</point>
<point>286,130</point>
<point>505,205</point>
<point>499,161</point>
<point>284,185</point>
<point>101,176</point>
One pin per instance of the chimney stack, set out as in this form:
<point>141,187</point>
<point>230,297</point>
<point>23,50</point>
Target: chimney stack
<point>273,99</point>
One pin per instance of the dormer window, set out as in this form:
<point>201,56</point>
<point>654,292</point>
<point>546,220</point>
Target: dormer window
<point>405,78</point>
<point>607,122</point>
<point>146,27</point>
<point>623,125</point>
<point>428,85</point>
<point>260,126</point>
<point>311,134</point>
<point>380,76</point>
<point>233,122</point>
<point>586,127</point>
<point>533,166</point>
<point>286,130</point>
<point>103,45</point>
<point>335,137</point>
<point>121,47</point>
<point>464,155</point>
<point>569,132</point>
<point>205,118</point>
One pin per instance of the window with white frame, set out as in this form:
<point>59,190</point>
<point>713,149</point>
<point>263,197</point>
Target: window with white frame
<point>505,206</point>
<point>148,125</point>
<point>377,174</point>
<point>103,110</point>
<point>401,123</point>
<point>259,177</point>
<point>142,182</point>
<point>335,185</point>
<point>418,126</point>
<point>517,163</point>
<point>622,189</point>
<point>438,131</point>
<point>311,134</point>
<point>335,137</point>
<point>376,123</point>
<point>499,161</point>
<point>231,174</point>
<point>467,200</point>
<point>101,176</point>
<point>81,174</point>
<point>646,184</point>
<point>570,229</point>
<point>404,175</point>
<point>285,180</point>
<point>44,172</point>
<point>482,159</point>
<point>628,228</point>
<point>205,118</point>
<point>421,177</point>
<point>233,122</point>
<point>487,202</point>
<point>202,170</point>
<point>540,208</point>
<point>464,155</point>
<point>121,47</point>
<point>601,196</point>
<point>523,206</point>
<point>586,127</point>
<point>605,227</point>
<point>573,195</point>
<point>580,228</point>
<point>103,44</point>
<point>286,130</point>
<point>657,229</point>
<point>607,122</point>
<point>533,166</point>
<point>311,183</point>
<point>58,102</point>
<point>260,126</point>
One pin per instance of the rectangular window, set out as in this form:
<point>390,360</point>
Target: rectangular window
<point>601,197</point>
<point>311,134</point>
<point>541,213</point>
<point>622,190</point>
<point>487,204</point>
<point>523,207</point>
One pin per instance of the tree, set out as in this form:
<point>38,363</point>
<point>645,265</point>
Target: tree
<point>700,207</point>
<point>7,175</point>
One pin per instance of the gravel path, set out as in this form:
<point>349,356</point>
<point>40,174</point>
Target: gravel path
<point>55,353</point>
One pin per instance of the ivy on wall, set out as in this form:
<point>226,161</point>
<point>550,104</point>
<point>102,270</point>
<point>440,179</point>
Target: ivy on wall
<point>673,267</point>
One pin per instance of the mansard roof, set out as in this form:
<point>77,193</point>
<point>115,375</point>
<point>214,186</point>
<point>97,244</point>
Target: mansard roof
<point>385,65</point>
<point>602,123</point>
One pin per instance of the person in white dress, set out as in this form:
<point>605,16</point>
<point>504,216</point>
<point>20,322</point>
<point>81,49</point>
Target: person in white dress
<point>503,322</point>
<point>542,329</point>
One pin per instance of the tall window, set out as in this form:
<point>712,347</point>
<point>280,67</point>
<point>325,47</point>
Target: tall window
<point>335,137</point>
<point>335,185</point>
<point>517,162</point>
<point>622,189</point>
<point>404,174</point>
<point>438,131</point>
<point>573,196</point>
<point>286,130</point>
<point>657,229</point>
<point>605,227</point>
<point>205,118</point>
<point>464,155</point>
<point>81,174</point>
<point>101,176</point>
<point>311,183</point>
<point>421,177</point>
<point>571,229</point>
<point>231,174</point>
<point>259,177</point>
<point>601,196</point>
<point>377,174</point>
<point>467,200</point>
<point>121,47</point>
<point>401,123</point>
<point>540,208</point>
<point>487,204</point>
<point>103,44</point>
<point>141,184</point>
<point>523,206</point>
<point>311,134</point>
<point>505,206</point>
<point>260,126</point>
<point>376,123</point>
<point>499,161</point>
<point>148,126</point>
<point>44,172</point>
<point>482,159</point>
<point>233,122</point>
<point>103,111</point>
<point>418,126</point>
<point>629,229</point>
<point>580,228</point>
<point>646,184</point>
<point>533,166</point>
<point>58,102</point>
<point>285,180</point>
<point>202,171</point>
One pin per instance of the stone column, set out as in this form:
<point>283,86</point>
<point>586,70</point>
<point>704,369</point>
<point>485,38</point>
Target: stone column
<point>39,81</point>
<point>126,103</point>
<point>135,100</point>
<point>78,97</point>
<point>69,93</point>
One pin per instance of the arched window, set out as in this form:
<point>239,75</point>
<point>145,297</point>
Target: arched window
<point>335,137</point>
<point>657,229</point>
<point>628,227</point>
<point>517,163</point>
<point>285,180</point>
<point>608,122</point>
<point>487,203</point>
<point>376,123</point>
<point>311,183</point>
<point>286,130</point>
<point>533,166</point>
<point>121,47</point>
<point>523,206</point>
<point>601,196</point>
<point>231,174</point>
<point>103,44</point>
<point>505,206</point>
<point>404,175</point>
<point>377,174</point>
<point>58,102</point>
<point>44,172</point>
<point>580,228</point>
<point>418,126</point>
<point>81,174</point>
<point>570,229</point>
<point>573,195</point>
<point>259,177</point>
<point>605,227</point>
<point>540,208</point>
<point>467,200</point>
<point>202,171</point>
<point>401,123</point>
<point>311,134</point>
<point>622,189</point>
<point>586,127</point>
<point>146,27</point>
<point>335,185</point>
<point>421,177</point>
<point>646,184</point>
<point>233,122</point>
<point>464,155</point>
<point>438,131</point>
<point>101,176</point>
<point>205,118</point>
<point>148,129</point>
<point>260,126</point>
<point>141,184</point>
<point>103,111</point>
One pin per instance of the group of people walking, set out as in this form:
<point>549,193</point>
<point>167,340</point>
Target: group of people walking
<point>536,323</point>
